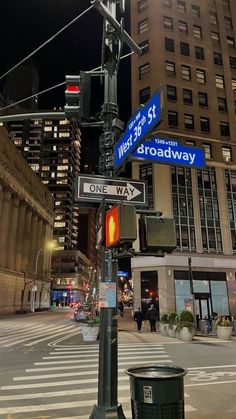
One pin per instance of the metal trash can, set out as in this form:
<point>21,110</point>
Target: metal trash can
<point>157,391</point>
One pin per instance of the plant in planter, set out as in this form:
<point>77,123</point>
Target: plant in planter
<point>186,325</point>
<point>90,329</point>
<point>224,328</point>
<point>164,324</point>
<point>171,324</point>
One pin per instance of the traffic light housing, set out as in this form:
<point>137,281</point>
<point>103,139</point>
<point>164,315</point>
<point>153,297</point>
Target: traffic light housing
<point>72,95</point>
<point>120,225</point>
<point>157,234</point>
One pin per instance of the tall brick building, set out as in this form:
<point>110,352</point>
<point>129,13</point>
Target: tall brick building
<point>189,48</point>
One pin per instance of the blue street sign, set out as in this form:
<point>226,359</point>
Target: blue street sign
<point>138,127</point>
<point>170,151</point>
<point>123,274</point>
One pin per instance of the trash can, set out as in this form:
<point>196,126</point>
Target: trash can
<point>157,391</point>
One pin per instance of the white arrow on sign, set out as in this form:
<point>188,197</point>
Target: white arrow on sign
<point>127,190</point>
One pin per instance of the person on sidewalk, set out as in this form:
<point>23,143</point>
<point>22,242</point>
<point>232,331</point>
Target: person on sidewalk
<point>138,317</point>
<point>152,317</point>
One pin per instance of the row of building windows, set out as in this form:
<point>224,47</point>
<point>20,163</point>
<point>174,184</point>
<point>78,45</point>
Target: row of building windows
<point>173,122</point>
<point>186,73</point>
<point>202,98</point>
<point>197,30</point>
<point>199,51</point>
<point>181,5</point>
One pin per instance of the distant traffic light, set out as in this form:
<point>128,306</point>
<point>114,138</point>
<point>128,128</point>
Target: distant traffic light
<point>157,234</point>
<point>120,225</point>
<point>72,94</point>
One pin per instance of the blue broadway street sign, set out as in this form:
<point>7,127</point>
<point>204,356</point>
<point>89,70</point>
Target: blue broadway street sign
<point>138,127</point>
<point>170,151</point>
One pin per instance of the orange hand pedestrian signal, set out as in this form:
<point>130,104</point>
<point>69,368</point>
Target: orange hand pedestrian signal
<point>112,226</point>
<point>120,225</point>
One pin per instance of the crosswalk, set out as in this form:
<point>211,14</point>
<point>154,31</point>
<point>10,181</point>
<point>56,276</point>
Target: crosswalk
<point>63,383</point>
<point>32,333</point>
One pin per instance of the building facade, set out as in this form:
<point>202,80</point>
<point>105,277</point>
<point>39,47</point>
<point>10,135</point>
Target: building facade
<point>26,222</point>
<point>188,47</point>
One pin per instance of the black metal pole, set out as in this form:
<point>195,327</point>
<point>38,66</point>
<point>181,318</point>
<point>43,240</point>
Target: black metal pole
<point>107,406</point>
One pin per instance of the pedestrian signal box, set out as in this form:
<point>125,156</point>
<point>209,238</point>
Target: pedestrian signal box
<point>156,234</point>
<point>120,225</point>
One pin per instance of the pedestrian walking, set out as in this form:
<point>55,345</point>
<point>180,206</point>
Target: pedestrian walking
<point>121,308</point>
<point>138,317</point>
<point>152,317</point>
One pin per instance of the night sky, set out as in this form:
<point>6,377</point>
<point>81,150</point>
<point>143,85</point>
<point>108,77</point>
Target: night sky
<point>25,24</point>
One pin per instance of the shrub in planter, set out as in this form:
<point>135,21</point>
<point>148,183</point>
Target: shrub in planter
<point>171,324</point>
<point>224,328</point>
<point>164,324</point>
<point>90,328</point>
<point>186,324</point>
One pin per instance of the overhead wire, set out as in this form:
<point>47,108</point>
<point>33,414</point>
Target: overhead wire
<point>45,43</point>
<point>52,87</point>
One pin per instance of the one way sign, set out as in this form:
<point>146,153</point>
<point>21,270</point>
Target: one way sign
<point>97,188</point>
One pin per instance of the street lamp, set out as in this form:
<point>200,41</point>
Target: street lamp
<point>50,245</point>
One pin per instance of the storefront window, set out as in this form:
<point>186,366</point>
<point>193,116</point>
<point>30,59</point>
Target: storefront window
<point>219,298</point>
<point>201,286</point>
<point>182,291</point>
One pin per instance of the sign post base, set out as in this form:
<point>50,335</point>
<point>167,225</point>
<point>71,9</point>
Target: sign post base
<point>115,412</point>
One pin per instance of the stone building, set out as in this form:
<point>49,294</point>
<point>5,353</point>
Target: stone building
<point>26,222</point>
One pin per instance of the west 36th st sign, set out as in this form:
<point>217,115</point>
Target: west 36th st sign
<point>98,188</point>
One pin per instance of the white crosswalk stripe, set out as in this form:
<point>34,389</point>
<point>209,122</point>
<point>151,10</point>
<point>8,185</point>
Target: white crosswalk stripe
<point>30,334</point>
<point>63,385</point>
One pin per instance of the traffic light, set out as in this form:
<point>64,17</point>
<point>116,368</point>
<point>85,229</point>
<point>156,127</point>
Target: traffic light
<point>120,225</point>
<point>157,234</point>
<point>72,94</point>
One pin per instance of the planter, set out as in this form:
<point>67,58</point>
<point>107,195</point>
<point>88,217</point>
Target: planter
<point>224,332</point>
<point>171,330</point>
<point>177,333</point>
<point>90,333</point>
<point>163,329</point>
<point>186,334</point>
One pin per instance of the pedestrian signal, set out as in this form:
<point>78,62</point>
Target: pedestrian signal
<point>120,225</point>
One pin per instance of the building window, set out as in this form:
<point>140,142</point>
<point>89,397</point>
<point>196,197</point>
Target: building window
<point>173,118</point>
<point>143,26</point>
<point>197,32</point>
<point>186,72</point>
<point>202,100</point>
<point>144,95</point>
<point>183,27</point>
<point>215,37</point>
<point>224,129</point>
<point>199,53</point>
<point>181,5</point>
<point>195,10</point>
<point>190,143</point>
<point>143,71</point>
<point>220,83</point>
<point>217,58</point>
<point>227,154</point>
<point>204,124</point>
<point>182,198</point>
<point>168,22</point>
<point>232,62</point>
<point>169,45</point>
<point>213,18</point>
<point>171,93</point>
<point>144,46</point>
<point>230,183</point>
<point>228,22</point>
<point>226,4</point>
<point>170,68</point>
<point>222,104</point>
<point>207,151</point>
<point>234,84</point>
<point>142,5</point>
<point>230,41</point>
<point>187,97</point>
<point>167,3</point>
<point>201,76</point>
<point>184,48</point>
<point>188,121</point>
<point>146,173</point>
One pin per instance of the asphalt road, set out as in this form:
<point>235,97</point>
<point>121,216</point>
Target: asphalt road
<point>47,372</point>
